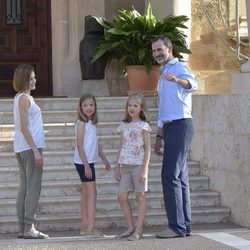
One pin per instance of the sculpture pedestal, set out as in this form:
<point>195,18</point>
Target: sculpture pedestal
<point>240,83</point>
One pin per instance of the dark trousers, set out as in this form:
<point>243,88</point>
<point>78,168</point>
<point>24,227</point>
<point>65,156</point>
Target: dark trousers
<point>175,180</point>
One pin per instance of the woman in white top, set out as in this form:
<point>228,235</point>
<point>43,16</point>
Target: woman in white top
<point>28,145</point>
<point>132,164</point>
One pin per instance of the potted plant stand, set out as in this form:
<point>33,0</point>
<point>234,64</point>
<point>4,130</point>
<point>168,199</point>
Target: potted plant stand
<point>140,81</point>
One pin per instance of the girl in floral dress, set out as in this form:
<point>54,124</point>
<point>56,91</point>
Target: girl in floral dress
<point>132,163</point>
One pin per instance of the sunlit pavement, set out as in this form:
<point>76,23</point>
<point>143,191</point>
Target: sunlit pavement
<point>214,236</point>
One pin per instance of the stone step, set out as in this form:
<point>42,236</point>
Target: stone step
<point>59,207</point>
<point>65,142</point>
<point>105,202</point>
<point>68,142</point>
<point>68,129</point>
<point>71,204</point>
<point>71,221</point>
<point>104,186</point>
<point>71,115</point>
<point>68,172</point>
<point>6,105</point>
<point>65,157</point>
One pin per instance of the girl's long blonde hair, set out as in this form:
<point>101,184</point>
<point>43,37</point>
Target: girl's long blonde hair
<point>81,116</point>
<point>143,114</point>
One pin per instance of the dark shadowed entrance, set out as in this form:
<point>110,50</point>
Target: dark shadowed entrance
<point>25,37</point>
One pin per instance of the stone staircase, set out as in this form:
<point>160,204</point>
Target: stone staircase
<point>59,206</point>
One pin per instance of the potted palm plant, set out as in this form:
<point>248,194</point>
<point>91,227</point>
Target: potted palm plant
<point>128,39</point>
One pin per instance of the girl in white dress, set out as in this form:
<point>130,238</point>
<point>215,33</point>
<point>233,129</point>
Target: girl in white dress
<point>86,154</point>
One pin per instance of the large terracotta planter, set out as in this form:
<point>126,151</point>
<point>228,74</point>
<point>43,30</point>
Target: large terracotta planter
<point>140,81</point>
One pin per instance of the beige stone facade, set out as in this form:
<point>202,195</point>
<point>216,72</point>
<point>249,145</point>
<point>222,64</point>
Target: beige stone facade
<point>221,144</point>
<point>211,60</point>
<point>67,32</point>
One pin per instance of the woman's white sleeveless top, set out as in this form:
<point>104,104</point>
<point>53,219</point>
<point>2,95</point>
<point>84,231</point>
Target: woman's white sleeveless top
<point>35,125</point>
<point>90,144</point>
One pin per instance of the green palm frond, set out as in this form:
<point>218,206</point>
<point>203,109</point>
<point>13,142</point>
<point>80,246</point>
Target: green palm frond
<point>129,36</point>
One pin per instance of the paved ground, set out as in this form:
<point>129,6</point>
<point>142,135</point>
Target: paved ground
<point>210,237</point>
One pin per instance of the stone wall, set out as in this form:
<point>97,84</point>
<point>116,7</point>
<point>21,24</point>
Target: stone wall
<point>211,60</point>
<point>222,144</point>
<point>67,31</point>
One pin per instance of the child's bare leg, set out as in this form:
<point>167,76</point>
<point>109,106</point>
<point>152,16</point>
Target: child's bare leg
<point>91,204</point>
<point>84,212</point>
<point>142,209</point>
<point>124,203</point>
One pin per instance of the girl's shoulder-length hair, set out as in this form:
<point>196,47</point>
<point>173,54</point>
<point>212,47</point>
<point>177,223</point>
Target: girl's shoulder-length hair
<point>143,114</point>
<point>80,115</point>
<point>21,78</point>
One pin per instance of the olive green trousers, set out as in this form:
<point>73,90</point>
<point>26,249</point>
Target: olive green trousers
<point>29,189</point>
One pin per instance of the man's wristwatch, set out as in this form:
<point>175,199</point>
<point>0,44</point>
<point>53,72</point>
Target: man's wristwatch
<point>159,136</point>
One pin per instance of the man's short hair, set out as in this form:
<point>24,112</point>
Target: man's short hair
<point>167,42</point>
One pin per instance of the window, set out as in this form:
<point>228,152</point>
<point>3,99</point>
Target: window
<point>13,12</point>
